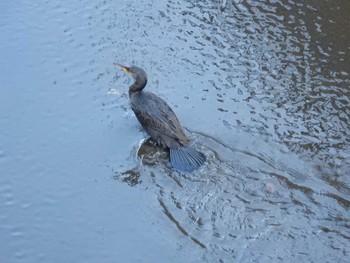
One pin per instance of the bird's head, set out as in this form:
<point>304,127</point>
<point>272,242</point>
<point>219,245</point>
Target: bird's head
<point>139,76</point>
<point>135,72</point>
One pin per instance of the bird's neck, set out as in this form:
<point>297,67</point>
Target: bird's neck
<point>138,85</point>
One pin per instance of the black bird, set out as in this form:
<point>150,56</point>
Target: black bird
<point>161,123</point>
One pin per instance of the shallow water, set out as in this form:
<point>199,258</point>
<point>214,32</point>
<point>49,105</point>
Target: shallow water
<point>262,88</point>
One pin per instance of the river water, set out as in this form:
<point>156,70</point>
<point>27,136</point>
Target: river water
<point>261,87</point>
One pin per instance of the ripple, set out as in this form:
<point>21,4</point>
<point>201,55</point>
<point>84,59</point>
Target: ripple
<point>244,198</point>
<point>284,68</point>
<point>266,83</point>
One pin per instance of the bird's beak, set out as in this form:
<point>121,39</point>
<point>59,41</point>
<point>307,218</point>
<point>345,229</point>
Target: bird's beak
<point>126,69</point>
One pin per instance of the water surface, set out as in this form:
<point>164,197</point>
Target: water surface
<point>262,88</point>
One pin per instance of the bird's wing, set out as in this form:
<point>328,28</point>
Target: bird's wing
<point>158,116</point>
<point>169,127</point>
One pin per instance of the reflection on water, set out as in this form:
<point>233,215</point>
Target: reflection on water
<point>284,64</point>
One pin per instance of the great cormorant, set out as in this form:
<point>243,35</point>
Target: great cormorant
<point>161,123</point>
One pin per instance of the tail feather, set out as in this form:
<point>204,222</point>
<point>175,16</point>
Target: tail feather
<point>186,158</point>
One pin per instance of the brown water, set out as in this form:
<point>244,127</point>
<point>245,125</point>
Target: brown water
<point>262,87</point>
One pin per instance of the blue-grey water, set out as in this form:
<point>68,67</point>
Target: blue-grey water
<point>261,87</point>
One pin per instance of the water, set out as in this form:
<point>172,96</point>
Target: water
<point>262,88</point>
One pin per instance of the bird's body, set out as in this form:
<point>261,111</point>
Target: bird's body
<point>161,123</point>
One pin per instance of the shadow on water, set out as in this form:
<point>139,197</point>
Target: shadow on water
<point>245,203</point>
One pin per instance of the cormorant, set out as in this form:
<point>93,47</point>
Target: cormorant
<point>161,123</point>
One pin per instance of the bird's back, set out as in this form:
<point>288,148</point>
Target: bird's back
<point>158,119</point>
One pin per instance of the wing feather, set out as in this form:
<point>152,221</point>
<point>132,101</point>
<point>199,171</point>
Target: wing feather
<point>154,113</point>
